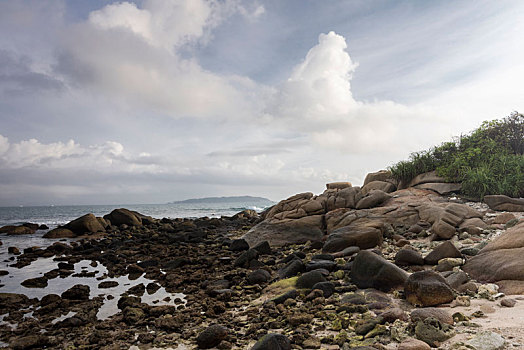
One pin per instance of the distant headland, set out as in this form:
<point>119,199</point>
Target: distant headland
<point>230,199</point>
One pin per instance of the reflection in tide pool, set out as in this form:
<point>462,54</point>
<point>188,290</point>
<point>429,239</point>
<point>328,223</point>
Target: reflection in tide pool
<point>11,284</point>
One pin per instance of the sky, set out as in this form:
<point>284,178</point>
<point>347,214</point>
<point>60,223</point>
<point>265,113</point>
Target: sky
<point>158,100</point>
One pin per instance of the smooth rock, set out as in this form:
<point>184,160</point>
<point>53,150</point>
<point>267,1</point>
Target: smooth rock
<point>487,340</point>
<point>444,250</point>
<point>427,288</point>
<point>406,257</point>
<point>504,203</point>
<point>238,245</point>
<point>84,224</point>
<point>349,236</point>
<point>372,271</point>
<point>211,336</point>
<point>413,344</point>
<point>309,279</point>
<point>60,232</point>
<point>259,276</point>
<point>373,199</point>
<point>440,314</point>
<point>272,342</point>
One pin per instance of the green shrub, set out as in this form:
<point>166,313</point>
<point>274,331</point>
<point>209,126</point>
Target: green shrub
<point>489,160</point>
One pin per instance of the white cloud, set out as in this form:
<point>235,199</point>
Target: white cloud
<point>317,100</point>
<point>4,144</point>
<point>163,23</point>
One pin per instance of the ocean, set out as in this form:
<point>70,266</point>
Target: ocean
<point>54,216</point>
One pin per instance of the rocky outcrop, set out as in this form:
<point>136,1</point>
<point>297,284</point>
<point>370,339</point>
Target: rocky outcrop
<point>500,260</point>
<point>288,231</point>
<point>504,203</point>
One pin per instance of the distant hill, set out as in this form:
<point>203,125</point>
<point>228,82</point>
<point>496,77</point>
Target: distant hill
<point>233,199</point>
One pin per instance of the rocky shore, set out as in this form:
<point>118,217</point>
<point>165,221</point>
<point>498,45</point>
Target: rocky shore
<point>382,266</point>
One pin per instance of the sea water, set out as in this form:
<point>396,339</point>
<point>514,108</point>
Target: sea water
<point>53,216</point>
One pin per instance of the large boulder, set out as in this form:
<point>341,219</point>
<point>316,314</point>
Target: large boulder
<point>373,199</point>
<point>441,188</point>
<point>504,203</point>
<point>60,232</point>
<point>289,231</point>
<point>124,216</point>
<point>338,185</point>
<point>362,237</point>
<point>272,341</point>
<point>500,260</point>
<point>427,288</point>
<point>444,250</point>
<point>424,178</point>
<point>384,186</point>
<point>12,230</point>
<point>370,270</point>
<point>381,175</point>
<point>344,198</point>
<point>84,224</point>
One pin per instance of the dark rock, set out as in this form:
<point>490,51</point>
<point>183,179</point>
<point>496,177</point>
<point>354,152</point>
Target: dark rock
<point>13,250</point>
<point>346,252</point>
<point>211,336</point>
<point>60,232</point>
<point>134,269</point>
<point>323,257</point>
<point>432,331</point>
<point>263,248</point>
<point>292,294</point>
<point>282,232</point>
<point>457,279</point>
<point>321,264</point>
<point>406,257</point>
<point>148,263</point>
<point>177,262</point>
<point>29,342</point>
<point>66,266</point>
<point>4,273</point>
<point>272,342</point>
<point>258,277</point>
<point>49,299</point>
<point>244,258</point>
<point>440,314</point>
<point>348,236</point>
<point>133,315</point>
<point>86,223</point>
<point>77,292</point>
<point>427,288</point>
<point>238,245</point>
<point>504,203</point>
<point>38,282</point>
<point>17,230</point>
<point>327,288</point>
<point>444,250</point>
<point>372,199</point>
<point>309,279</point>
<point>394,314</point>
<point>372,271</point>
<point>124,216</point>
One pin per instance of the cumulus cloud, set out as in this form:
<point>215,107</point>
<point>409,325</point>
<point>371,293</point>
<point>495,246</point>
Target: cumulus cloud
<point>317,100</point>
